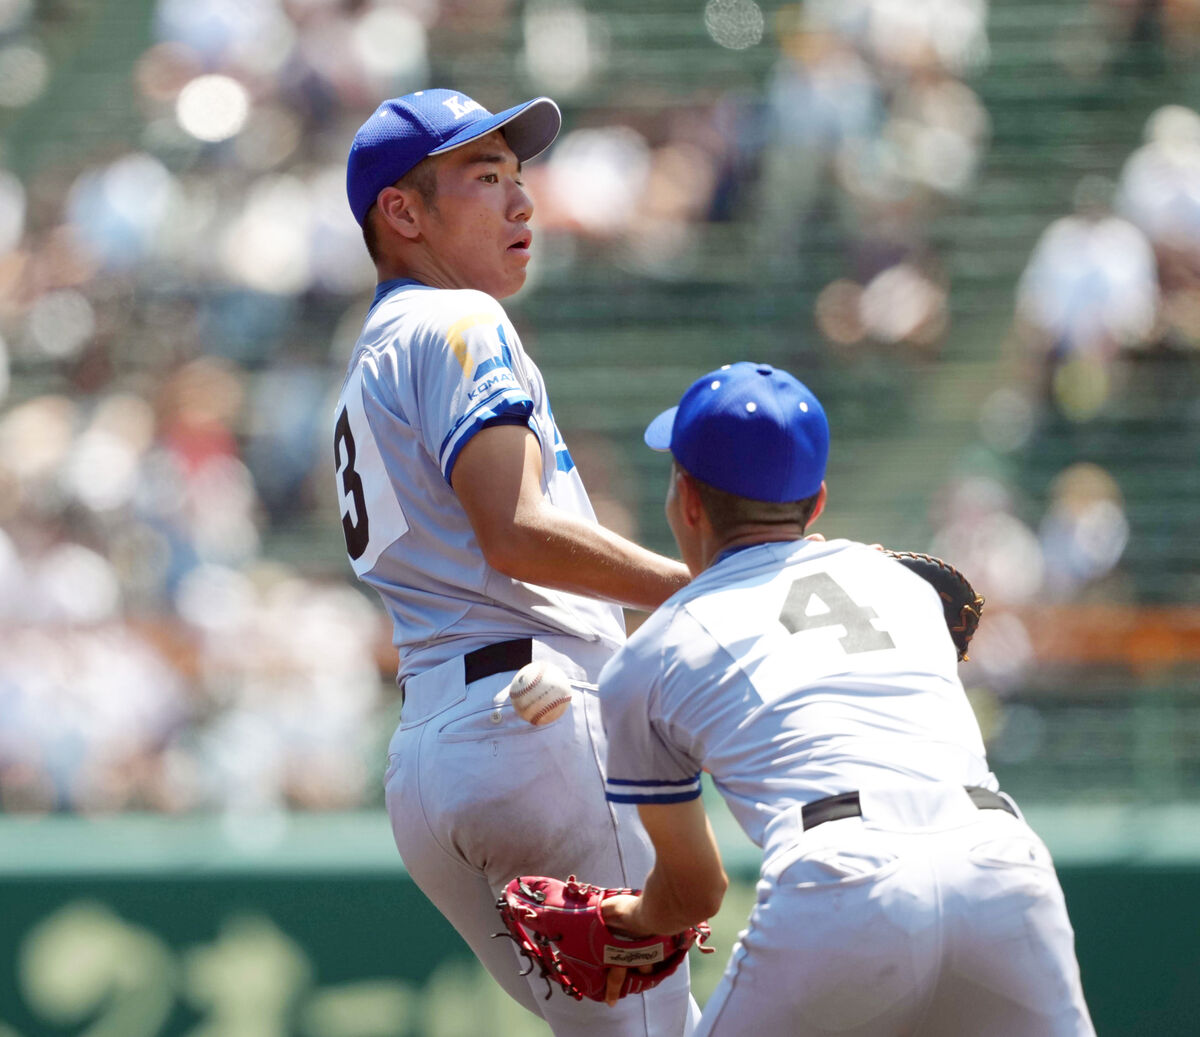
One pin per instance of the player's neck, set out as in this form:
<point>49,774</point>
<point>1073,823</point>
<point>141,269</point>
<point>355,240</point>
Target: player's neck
<point>416,265</point>
<point>748,536</point>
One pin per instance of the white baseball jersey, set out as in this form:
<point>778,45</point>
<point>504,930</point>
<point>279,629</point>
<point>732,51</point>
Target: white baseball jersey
<point>464,792</point>
<point>792,671</point>
<point>797,670</point>
<point>431,369</point>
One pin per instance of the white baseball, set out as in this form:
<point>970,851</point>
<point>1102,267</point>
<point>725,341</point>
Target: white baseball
<point>540,693</point>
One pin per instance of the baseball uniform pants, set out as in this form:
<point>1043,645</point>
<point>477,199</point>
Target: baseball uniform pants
<point>924,917</point>
<point>477,796</point>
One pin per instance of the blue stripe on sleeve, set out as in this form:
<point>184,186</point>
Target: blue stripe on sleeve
<point>508,400</point>
<point>655,783</point>
<point>677,797</point>
<point>511,407</point>
<point>625,790</point>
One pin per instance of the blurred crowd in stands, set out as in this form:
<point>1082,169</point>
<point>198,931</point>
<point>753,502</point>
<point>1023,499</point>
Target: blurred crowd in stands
<point>1120,275</point>
<point>1107,332</point>
<point>870,115</point>
<point>175,310</point>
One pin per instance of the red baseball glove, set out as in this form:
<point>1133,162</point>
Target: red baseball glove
<point>559,928</point>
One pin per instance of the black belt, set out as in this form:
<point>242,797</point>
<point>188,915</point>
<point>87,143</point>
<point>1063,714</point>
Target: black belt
<point>846,804</point>
<point>498,658</point>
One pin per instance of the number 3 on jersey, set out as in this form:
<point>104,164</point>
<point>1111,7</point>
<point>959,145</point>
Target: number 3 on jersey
<point>355,523</point>
<point>840,610</point>
<point>371,515</point>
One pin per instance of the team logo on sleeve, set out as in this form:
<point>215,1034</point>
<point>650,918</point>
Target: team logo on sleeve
<point>504,360</point>
<point>494,372</point>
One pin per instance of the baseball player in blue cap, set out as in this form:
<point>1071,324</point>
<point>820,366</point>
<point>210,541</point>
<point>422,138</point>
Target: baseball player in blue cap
<point>462,507</point>
<point>900,892</point>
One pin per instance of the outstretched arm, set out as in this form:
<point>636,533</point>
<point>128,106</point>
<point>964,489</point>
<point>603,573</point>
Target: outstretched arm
<point>688,881</point>
<point>497,479</point>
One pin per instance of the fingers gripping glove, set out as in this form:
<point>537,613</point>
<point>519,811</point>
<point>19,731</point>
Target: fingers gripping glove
<point>558,926</point>
<point>960,604</point>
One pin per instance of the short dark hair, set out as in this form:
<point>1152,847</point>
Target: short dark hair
<point>422,178</point>
<point>727,511</point>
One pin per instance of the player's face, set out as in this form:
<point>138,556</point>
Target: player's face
<point>478,229</point>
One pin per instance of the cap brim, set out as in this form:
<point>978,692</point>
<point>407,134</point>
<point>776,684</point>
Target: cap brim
<point>658,432</point>
<point>529,128</point>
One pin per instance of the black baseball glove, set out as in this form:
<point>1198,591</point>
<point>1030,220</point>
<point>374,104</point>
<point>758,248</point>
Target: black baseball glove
<point>961,605</point>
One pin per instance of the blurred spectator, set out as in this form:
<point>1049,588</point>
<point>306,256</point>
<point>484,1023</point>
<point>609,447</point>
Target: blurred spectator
<point>564,47</point>
<point>1088,292</point>
<point>976,525</point>
<point>821,99</point>
<point>86,708</point>
<point>289,674</point>
<point>1084,531</point>
<point>907,36</point>
<point>269,703</point>
<point>1170,24</point>
<point>118,212</point>
<point>285,429</point>
<point>638,200</point>
<point>1159,192</point>
<point>904,304</point>
<point>147,658</point>
<point>868,122</point>
<point>592,181</point>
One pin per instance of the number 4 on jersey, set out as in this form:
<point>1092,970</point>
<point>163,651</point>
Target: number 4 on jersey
<point>841,610</point>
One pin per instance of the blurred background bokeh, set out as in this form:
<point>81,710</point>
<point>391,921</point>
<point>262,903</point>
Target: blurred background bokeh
<point>972,227</point>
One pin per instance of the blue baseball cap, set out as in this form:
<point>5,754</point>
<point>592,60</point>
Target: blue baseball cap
<point>750,430</point>
<point>404,130</point>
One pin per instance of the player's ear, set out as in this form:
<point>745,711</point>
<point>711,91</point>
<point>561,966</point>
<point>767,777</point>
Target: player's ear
<point>691,506</point>
<point>402,209</point>
<point>818,507</point>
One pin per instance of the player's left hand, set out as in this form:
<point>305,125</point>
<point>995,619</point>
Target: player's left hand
<point>618,913</point>
<point>961,604</point>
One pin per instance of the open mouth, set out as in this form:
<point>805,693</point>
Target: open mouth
<point>522,243</point>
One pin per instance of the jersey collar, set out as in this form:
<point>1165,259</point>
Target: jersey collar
<point>385,288</point>
<point>729,552</point>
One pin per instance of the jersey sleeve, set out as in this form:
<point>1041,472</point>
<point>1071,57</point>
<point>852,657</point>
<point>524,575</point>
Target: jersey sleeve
<point>465,377</point>
<point>644,765</point>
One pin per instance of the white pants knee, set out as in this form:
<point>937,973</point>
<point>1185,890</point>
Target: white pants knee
<point>477,796</point>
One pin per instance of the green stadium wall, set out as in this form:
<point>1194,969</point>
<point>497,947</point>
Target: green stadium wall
<point>140,927</point>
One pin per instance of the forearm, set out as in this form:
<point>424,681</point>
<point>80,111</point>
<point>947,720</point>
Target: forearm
<point>553,548</point>
<point>668,907</point>
<point>688,881</point>
<point>521,534</point>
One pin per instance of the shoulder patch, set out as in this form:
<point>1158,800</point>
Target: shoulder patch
<point>456,340</point>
